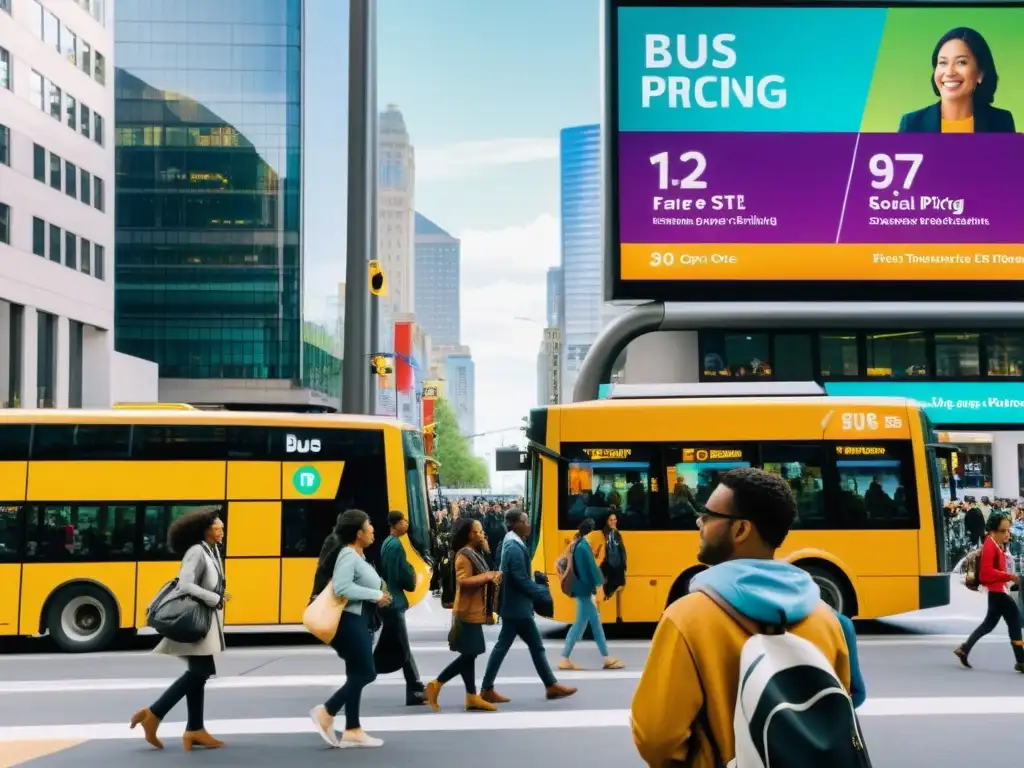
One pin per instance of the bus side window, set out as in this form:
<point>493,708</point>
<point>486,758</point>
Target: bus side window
<point>610,478</point>
<point>193,443</point>
<point>801,466</point>
<point>69,442</point>
<point>156,521</point>
<point>12,533</point>
<point>874,486</point>
<point>14,442</point>
<point>306,524</point>
<point>83,532</point>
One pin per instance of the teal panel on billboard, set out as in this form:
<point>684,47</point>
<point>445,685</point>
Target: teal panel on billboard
<point>604,391</point>
<point>948,403</point>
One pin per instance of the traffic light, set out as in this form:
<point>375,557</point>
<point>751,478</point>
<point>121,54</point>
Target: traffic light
<point>380,365</point>
<point>430,429</point>
<point>378,285</point>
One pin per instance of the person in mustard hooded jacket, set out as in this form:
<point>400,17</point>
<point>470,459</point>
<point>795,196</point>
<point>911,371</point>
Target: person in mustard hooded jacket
<point>695,655</point>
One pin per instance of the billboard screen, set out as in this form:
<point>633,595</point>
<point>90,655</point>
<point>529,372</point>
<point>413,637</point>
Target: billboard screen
<point>814,152</point>
<point>948,404</point>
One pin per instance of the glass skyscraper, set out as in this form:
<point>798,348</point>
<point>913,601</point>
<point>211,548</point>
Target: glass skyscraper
<point>437,282</point>
<point>581,267</point>
<point>209,256</point>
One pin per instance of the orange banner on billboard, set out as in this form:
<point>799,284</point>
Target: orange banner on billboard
<point>825,262</point>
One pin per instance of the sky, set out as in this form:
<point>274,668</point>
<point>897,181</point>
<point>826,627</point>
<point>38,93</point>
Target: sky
<point>485,89</point>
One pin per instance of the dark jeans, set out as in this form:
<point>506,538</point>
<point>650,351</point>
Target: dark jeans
<point>395,620</point>
<point>526,630</point>
<point>1000,606</point>
<point>354,644</point>
<point>191,686</point>
<point>464,665</point>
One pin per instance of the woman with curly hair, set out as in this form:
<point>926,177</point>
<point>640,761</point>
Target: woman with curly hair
<point>196,536</point>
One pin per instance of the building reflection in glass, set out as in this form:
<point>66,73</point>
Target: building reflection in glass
<point>208,258</point>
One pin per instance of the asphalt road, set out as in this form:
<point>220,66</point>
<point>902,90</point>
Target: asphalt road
<point>59,711</point>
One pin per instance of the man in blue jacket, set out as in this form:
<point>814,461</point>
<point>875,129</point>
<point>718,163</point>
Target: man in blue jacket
<point>518,593</point>
<point>400,576</point>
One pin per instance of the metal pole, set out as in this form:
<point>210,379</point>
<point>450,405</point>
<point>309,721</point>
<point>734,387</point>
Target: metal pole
<point>374,143</point>
<point>355,365</point>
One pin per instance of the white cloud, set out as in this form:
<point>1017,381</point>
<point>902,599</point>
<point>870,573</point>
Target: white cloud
<point>504,278</point>
<point>453,161</point>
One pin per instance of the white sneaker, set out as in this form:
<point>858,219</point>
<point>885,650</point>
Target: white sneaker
<point>328,734</point>
<point>364,741</point>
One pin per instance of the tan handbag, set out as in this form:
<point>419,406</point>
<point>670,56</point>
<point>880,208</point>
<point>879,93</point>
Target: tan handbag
<point>322,616</point>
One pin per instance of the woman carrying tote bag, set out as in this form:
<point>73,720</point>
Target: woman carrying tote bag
<point>357,584</point>
<point>201,576</point>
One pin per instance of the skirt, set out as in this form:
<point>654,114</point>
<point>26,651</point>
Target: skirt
<point>469,639</point>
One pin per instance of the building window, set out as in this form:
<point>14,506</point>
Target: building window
<point>36,87</point>
<point>55,171</point>
<point>84,119</point>
<point>735,355</point>
<point>51,30</point>
<point>957,355</point>
<point>35,18</point>
<point>86,57</point>
<point>86,187</point>
<point>99,267</point>
<point>791,357</point>
<point>55,101</point>
<point>76,339</point>
<point>70,179</point>
<point>5,145</point>
<point>38,237</point>
<point>5,223</point>
<point>55,234</point>
<point>97,193</point>
<point>46,356</point>
<point>5,69</point>
<point>838,354</point>
<point>86,256</point>
<point>69,45</point>
<point>101,69</point>
<point>897,355</point>
<point>70,250</point>
<point>71,111</point>
<point>39,163</point>
<point>1004,353</point>
<point>97,131</point>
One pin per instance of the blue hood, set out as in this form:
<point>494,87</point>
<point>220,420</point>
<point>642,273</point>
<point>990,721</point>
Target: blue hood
<point>761,589</point>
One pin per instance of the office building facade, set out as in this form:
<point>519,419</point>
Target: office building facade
<point>396,184</point>
<point>581,256</point>
<point>553,302</point>
<point>56,208</point>
<point>549,368</point>
<point>460,388</point>
<point>437,281</point>
<point>209,133</point>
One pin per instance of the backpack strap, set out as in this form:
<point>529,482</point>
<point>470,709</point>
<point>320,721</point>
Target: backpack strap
<point>749,625</point>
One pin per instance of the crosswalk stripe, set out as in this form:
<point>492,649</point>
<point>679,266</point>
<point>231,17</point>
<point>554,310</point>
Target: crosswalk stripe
<point>267,681</point>
<point>500,721</point>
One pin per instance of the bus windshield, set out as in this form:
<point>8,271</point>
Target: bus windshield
<point>416,490</point>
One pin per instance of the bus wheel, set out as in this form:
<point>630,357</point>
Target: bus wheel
<point>82,618</point>
<point>833,591</point>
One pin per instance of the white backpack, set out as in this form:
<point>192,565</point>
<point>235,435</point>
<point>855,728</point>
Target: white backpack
<point>792,710</point>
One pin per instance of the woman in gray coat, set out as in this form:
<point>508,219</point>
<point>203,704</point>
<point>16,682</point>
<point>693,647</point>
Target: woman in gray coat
<point>197,534</point>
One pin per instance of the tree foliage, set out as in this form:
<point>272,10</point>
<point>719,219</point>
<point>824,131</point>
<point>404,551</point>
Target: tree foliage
<point>460,467</point>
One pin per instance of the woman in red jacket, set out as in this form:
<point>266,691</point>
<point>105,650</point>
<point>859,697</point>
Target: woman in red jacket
<point>992,575</point>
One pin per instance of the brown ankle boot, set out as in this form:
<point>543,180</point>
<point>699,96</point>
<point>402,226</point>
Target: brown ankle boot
<point>430,694</point>
<point>149,723</point>
<point>559,691</point>
<point>476,703</point>
<point>491,696</point>
<point>201,738</point>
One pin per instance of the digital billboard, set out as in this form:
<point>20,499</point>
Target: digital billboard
<point>819,152</point>
<point>947,403</point>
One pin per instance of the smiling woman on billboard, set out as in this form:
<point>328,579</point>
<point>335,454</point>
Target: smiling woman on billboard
<point>964,77</point>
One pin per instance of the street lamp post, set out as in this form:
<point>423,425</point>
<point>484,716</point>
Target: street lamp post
<point>362,203</point>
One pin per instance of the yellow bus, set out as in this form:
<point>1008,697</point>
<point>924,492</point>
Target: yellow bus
<point>864,472</point>
<point>86,498</point>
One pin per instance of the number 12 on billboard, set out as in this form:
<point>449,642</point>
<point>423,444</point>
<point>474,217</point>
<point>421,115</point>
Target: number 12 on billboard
<point>882,168</point>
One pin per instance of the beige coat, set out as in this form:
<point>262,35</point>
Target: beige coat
<point>200,574</point>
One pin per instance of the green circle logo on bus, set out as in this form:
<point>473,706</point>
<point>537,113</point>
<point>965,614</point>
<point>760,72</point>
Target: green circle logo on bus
<point>306,480</point>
